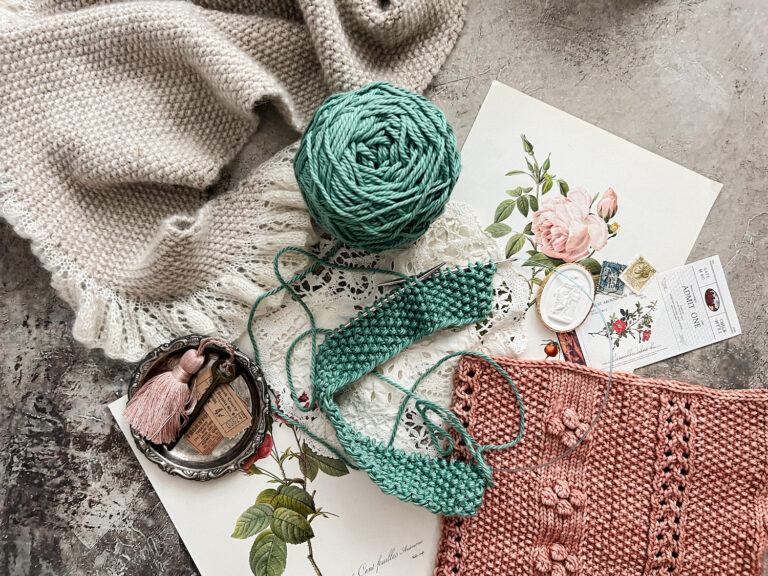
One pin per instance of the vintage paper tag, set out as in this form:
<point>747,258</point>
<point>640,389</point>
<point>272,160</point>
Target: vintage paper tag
<point>227,411</point>
<point>225,408</point>
<point>224,414</point>
<point>203,434</point>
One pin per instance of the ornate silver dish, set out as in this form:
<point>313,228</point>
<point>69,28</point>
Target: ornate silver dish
<point>182,459</point>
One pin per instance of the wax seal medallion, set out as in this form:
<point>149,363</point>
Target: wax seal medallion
<point>565,297</point>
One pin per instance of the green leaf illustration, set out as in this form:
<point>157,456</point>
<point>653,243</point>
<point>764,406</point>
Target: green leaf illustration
<point>515,244</point>
<point>515,192</point>
<point>498,229</point>
<point>533,202</point>
<point>522,205</point>
<point>545,166</point>
<point>514,172</point>
<point>266,496</point>
<point>547,186</point>
<point>528,228</point>
<point>563,186</point>
<point>331,466</point>
<point>268,555</point>
<point>540,258</point>
<point>294,498</point>
<point>592,265</point>
<point>308,467</point>
<point>503,210</point>
<point>291,526</point>
<point>534,172</point>
<point>253,520</point>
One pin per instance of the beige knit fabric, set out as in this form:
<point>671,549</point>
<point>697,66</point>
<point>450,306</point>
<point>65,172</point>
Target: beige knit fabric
<point>116,119</point>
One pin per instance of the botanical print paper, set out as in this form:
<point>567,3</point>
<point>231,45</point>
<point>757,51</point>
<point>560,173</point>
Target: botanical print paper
<point>373,535</point>
<point>660,210</point>
<point>647,204</point>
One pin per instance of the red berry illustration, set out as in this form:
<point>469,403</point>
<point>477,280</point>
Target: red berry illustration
<point>551,349</point>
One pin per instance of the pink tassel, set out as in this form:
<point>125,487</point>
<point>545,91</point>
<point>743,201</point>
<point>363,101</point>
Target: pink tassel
<point>159,410</point>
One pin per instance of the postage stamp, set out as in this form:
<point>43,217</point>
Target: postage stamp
<point>638,274</point>
<point>609,282</point>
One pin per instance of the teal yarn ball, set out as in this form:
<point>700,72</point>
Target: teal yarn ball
<point>376,166</point>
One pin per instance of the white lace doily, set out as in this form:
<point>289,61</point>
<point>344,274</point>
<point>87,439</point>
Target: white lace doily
<point>370,405</point>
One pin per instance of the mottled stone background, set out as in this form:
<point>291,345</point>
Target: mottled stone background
<point>686,79</point>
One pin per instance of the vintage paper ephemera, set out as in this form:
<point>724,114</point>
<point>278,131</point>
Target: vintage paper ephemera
<point>679,310</point>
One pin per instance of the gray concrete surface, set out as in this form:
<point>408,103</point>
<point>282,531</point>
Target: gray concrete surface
<point>687,79</point>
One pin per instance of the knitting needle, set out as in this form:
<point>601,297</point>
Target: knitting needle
<point>428,273</point>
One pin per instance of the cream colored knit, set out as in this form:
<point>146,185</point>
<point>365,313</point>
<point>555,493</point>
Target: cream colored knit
<point>116,118</point>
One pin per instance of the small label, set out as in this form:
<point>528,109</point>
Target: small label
<point>224,415</point>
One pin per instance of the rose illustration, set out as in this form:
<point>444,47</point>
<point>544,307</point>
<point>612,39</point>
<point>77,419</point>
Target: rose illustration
<point>646,335</point>
<point>264,450</point>
<point>607,204</point>
<point>619,326</point>
<point>564,227</point>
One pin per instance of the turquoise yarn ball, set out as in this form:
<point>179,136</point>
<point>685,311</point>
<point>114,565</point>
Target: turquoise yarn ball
<point>377,165</point>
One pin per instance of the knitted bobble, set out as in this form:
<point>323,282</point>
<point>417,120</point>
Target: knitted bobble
<point>572,564</point>
<point>564,508</point>
<point>555,426</point>
<point>376,166</point>
<point>577,499</point>
<point>557,552</point>
<point>558,570</point>
<point>561,488</point>
<point>548,497</point>
<point>541,561</point>
<point>570,418</point>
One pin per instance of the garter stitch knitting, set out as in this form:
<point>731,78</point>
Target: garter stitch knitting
<point>673,480</point>
<point>446,299</point>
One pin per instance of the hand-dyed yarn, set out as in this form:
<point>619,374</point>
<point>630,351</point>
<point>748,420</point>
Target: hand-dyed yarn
<point>377,165</point>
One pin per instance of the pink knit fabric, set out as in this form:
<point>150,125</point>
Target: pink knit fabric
<point>673,480</point>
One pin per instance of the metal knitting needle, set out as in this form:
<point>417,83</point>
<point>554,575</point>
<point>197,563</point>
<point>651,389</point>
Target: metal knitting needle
<point>428,273</point>
<point>396,282</point>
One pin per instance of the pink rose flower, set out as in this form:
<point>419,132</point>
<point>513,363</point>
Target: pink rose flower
<point>564,227</point>
<point>646,335</point>
<point>607,204</point>
<point>619,326</point>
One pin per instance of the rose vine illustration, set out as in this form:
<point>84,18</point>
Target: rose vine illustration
<point>569,227</point>
<point>630,323</point>
<point>284,515</point>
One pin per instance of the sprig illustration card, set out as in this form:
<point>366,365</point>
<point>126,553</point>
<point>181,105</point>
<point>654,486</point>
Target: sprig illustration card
<point>555,189</point>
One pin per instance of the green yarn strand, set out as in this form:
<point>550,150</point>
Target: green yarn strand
<point>377,165</point>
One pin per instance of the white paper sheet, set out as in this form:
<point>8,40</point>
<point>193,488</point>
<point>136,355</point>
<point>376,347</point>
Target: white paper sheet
<point>367,539</point>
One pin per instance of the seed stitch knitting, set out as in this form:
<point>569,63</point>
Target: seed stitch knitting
<point>446,299</point>
<point>673,480</point>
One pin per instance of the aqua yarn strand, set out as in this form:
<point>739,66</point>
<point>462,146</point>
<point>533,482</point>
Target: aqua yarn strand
<point>376,166</point>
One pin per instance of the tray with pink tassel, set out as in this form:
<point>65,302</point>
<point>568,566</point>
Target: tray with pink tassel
<point>219,423</point>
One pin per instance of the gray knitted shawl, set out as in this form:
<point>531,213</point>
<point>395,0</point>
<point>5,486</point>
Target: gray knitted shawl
<point>117,119</point>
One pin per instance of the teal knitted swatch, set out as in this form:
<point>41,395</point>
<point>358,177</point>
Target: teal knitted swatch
<point>417,308</point>
<point>447,299</point>
<point>377,165</point>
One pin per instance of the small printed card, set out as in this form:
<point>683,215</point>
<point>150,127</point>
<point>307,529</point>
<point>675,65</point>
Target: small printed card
<point>678,310</point>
